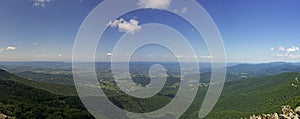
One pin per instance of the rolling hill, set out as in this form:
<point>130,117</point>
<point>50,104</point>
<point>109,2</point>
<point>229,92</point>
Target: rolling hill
<point>22,98</point>
<point>243,98</point>
<point>60,89</point>
<point>239,99</point>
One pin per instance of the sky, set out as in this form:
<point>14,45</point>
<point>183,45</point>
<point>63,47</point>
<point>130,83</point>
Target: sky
<point>252,30</point>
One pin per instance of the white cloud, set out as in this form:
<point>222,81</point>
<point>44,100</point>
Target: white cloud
<point>281,55</point>
<point>292,49</point>
<point>2,49</point>
<point>294,56</point>
<point>40,56</point>
<point>205,57</point>
<point>35,43</point>
<point>281,48</point>
<point>272,49</point>
<point>180,56</point>
<point>208,57</point>
<point>290,56</point>
<point>109,54</point>
<point>291,53</point>
<point>59,55</point>
<point>130,26</point>
<point>158,4</point>
<point>150,55</point>
<point>10,48</point>
<point>40,3</point>
<point>183,10</point>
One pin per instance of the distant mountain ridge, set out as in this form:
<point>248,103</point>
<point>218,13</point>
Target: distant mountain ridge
<point>263,69</point>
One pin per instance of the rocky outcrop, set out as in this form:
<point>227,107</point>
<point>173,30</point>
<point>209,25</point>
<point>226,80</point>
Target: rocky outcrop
<point>297,110</point>
<point>287,113</point>
<point>3,116</point>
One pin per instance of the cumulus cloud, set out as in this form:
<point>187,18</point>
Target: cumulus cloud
<point>183,10</point>
<point>272,49</point>
<point>292,52</point>
<point>292,49</point>
<point>158,4</point>
<point>40,3</point>
<point>281,48</point>
<point>10,48</point>
<point>109,54</point>
<point>130,26</point>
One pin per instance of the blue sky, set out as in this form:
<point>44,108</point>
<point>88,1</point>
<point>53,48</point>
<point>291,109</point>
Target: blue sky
<point>252,30</point>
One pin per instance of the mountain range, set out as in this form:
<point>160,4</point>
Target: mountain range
<point>250,89</point>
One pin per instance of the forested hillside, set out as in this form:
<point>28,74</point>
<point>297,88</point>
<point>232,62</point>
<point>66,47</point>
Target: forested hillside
<point>20,99</point>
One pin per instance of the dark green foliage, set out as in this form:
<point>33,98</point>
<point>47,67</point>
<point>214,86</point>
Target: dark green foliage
<point>243,98</point>
<point>26,102</point>
<point>22,98</point>
<point>54,88</point>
